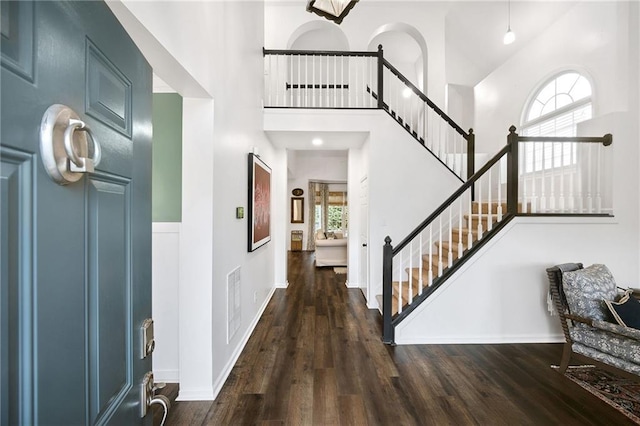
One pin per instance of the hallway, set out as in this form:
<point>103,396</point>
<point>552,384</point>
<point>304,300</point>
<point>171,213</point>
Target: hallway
<point>316,358</point>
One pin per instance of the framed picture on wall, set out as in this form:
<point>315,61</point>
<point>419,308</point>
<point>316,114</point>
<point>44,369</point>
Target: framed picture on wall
<point>259,210</point>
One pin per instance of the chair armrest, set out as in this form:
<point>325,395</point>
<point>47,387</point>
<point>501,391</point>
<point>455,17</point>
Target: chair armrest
<point>576,318</point>
<point>632,333</point>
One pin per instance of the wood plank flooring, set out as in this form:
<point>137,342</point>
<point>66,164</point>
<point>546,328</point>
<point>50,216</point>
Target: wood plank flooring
<point>315,358</point>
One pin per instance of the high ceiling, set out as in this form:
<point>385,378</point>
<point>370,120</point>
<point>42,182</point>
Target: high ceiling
<point>474,31</point>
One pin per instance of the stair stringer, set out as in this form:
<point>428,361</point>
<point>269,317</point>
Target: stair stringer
<point>499,294</point>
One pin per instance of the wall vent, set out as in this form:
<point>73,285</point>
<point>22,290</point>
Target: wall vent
<point>233,303</point>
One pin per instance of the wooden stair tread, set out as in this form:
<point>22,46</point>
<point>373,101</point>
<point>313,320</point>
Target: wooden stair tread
<point>494,207</point>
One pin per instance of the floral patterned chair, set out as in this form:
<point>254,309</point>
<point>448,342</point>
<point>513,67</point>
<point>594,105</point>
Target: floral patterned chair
<point>583,298</point>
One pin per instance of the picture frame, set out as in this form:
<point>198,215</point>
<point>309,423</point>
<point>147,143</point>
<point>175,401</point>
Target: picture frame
<point>259,203</point>
<point>297,209</point>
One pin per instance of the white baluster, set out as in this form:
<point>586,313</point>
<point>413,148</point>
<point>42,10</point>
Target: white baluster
<point>313,62</point>
<point>480,231</point>
<point>598,166</point>
<point>307,94</point>
<point>552,170</point>
<point>561,203</point>
<point>440,248</point>
<point>327,82</point>
<point>400,275</point>
<point>450,251</point>
<point>411,125</point>
<point>460,245</point>
<point>421,267</point>
<point>410,283</point>
<point>543,178</point>
<point>490,204</point>
<point>430,277</point>
<point>499,211</point>
<point>278,81</point>
<point>469,225</point>
<point>342,81</point>
<point>572,167</point>
<point>534,176</point>
<point>268,86</point>
<point>299,92</point>
<point>589,180</point>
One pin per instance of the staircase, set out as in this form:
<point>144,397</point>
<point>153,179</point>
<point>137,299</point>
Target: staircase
<point>505,187</point>
<point>444,254</point>
<point>530,176</point>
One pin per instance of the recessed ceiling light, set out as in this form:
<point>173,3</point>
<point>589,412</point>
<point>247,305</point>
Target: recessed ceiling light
<point>406,93</point>
<point>317,141</point>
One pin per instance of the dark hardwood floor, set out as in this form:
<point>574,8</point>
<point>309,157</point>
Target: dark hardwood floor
<point>315,358</point>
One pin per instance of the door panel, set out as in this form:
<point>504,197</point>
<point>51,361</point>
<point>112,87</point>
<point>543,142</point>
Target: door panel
<point>16,287</point>
<point>17,38</point>
<point>86,289</point>
<point>109,290</point>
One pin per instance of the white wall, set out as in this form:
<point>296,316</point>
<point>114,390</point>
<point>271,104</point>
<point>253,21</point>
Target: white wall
<point>218,134</point>
<point>592,38</point>
<point>165,248</point>
<point>283,18</point>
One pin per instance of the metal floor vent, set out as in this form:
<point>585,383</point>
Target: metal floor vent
<point>233,303</point>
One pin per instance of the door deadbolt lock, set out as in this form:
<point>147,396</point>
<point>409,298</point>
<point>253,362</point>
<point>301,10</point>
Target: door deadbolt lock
<point>148,396</point>
<point>148,341</point>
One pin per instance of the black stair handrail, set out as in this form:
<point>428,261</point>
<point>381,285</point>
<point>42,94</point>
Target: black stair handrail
<point>379,94</point>
<point>424,98</point>
<point>389,252</point>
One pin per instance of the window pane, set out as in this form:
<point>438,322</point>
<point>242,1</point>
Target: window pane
<point>581,90</point>
<point>565,82</point>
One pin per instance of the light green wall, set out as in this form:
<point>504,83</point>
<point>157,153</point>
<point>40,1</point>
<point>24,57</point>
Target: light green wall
<point>167,157</point>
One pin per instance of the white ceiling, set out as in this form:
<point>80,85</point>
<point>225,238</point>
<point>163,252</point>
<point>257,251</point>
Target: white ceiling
<point>332,141</point>
<point>475,30</point>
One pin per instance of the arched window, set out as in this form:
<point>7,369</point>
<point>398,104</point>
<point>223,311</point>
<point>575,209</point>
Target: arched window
<point>555,110</point>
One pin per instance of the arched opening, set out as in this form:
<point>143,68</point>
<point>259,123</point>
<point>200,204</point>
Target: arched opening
<point>318,35</point>
<point>405,48</point>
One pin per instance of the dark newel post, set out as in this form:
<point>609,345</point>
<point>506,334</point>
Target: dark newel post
<point>387,266</point>
<point>471,151</point>
<point>471,160</point>
<point>380,79</point>
<point>512,171</point>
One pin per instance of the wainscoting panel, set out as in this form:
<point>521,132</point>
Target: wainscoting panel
<point>166,275</point>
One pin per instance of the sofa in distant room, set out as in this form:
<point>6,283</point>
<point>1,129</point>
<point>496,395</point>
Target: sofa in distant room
<point>331,249</point>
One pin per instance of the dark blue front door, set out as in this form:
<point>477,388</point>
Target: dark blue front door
<point>76,263</point>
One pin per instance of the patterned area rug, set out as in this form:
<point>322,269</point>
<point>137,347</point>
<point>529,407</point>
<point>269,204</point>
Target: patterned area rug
<point>340,270</point>
<point>621,393</point>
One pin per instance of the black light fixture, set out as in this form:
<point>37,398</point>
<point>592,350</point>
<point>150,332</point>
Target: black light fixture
<point>333,10</point>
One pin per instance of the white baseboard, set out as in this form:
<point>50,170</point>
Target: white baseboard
<point>167,376</point>
<point>351,285</point>
<point>195,395</point>
<point>281,285</point>
<point>222,378</point>
<point>485,340</point>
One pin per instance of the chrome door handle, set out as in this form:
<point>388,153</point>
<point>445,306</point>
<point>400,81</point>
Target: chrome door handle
<point>76,163</point>
<point>68,147</point>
